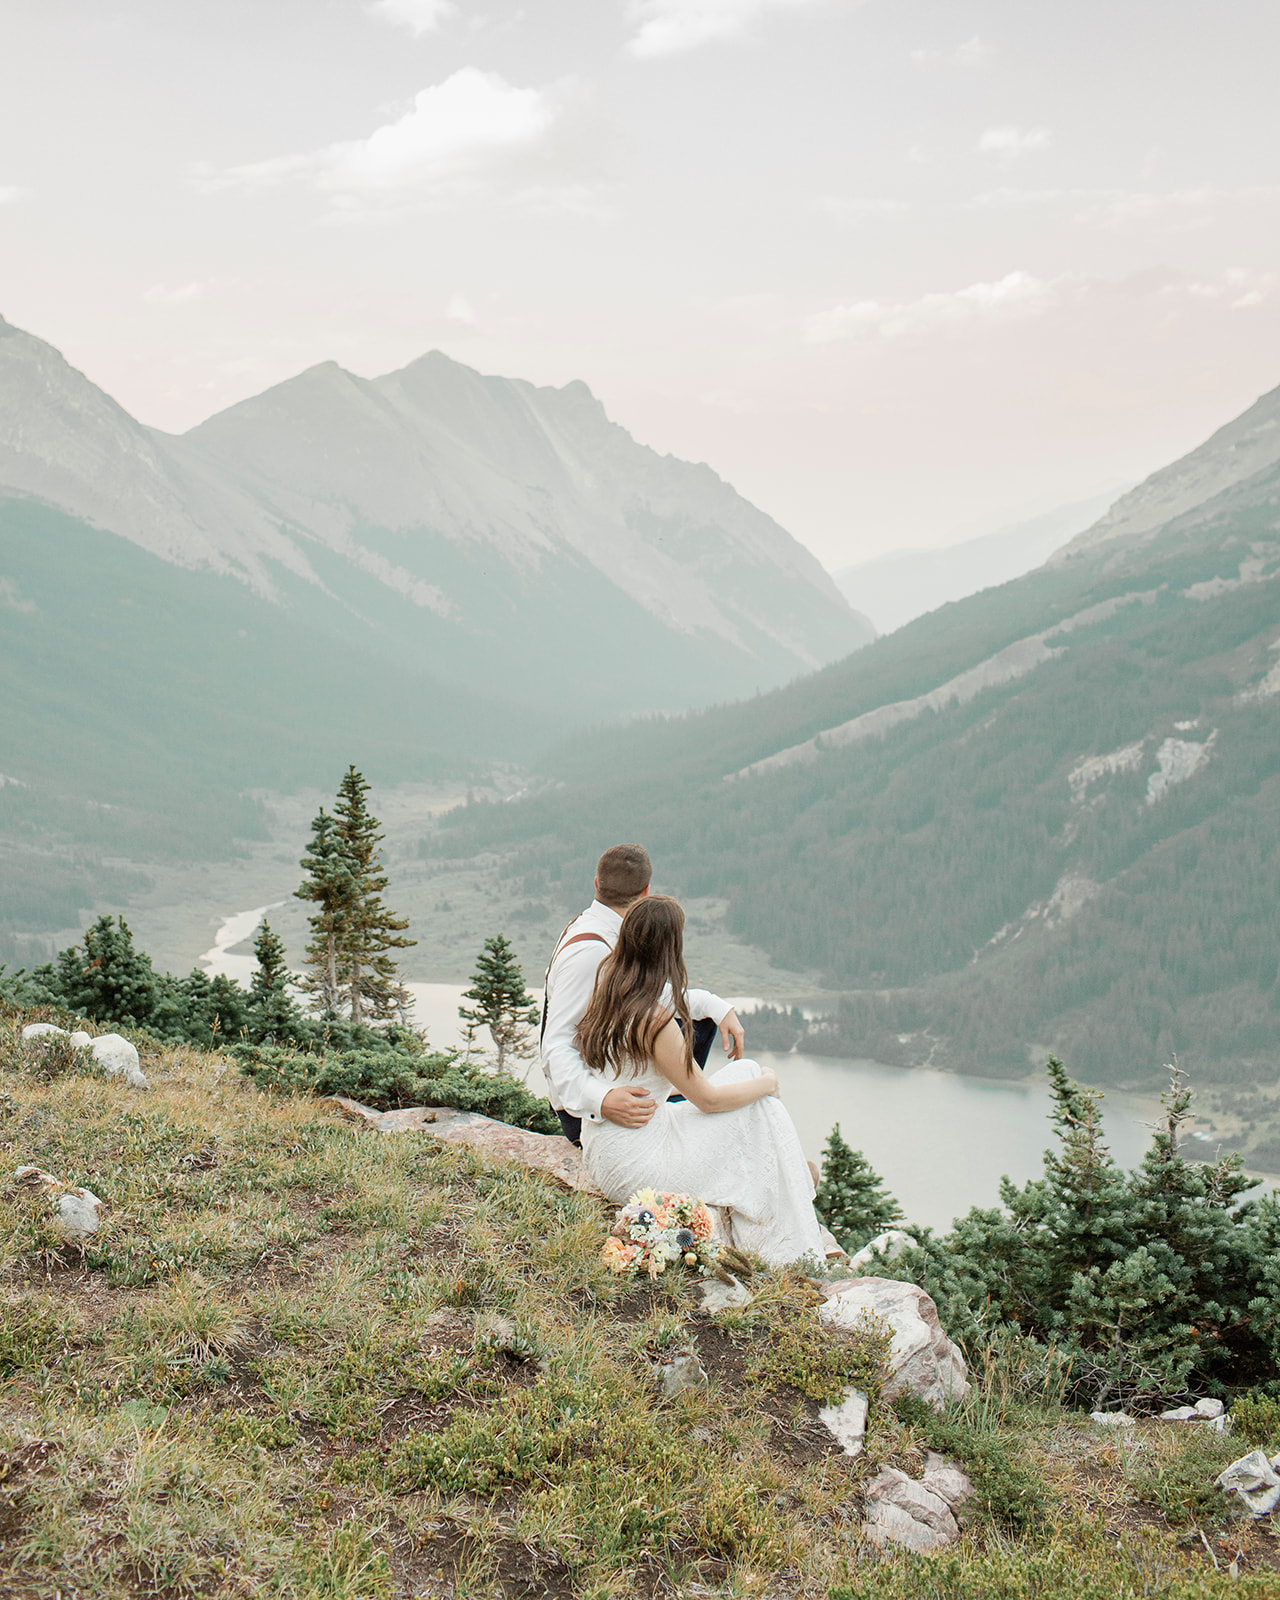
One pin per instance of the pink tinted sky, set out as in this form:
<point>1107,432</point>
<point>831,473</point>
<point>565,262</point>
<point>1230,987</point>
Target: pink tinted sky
<point>891,267</point>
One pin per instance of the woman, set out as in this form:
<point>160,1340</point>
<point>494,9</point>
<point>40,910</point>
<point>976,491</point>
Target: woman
<point>730,1142</point>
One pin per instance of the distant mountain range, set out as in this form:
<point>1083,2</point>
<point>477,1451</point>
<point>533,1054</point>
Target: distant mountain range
<point>412,572</point>
<point>895,588</point>
<point>1043,817</point>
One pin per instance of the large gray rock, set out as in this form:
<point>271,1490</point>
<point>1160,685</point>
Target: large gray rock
<point>42,1030</point>
<point>903,1511</point>
<point>546,1152</point>
<point>1256,1480</point>
<point>922,1359</point>
<point>120,1059</point>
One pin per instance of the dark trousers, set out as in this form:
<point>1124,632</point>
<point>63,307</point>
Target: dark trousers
<point>704,1032</point>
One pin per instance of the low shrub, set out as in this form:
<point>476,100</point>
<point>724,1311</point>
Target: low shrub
<point>1007,1495</point>
<point>389,1078</point>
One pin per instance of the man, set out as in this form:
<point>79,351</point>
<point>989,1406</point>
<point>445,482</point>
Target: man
<point>622,878</point>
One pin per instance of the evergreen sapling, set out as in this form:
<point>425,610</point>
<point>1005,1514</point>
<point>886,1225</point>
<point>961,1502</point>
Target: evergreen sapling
<point>851,1198</point>
<point>501,1002</point>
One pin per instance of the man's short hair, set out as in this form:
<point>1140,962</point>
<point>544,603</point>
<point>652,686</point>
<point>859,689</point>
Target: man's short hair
<point>622,873</point>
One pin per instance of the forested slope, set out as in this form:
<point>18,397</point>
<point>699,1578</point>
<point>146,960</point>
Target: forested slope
<point>1085,856</point>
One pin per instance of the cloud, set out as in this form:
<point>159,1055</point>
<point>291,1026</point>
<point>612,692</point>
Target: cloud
<point>159,294</point>
<point>967,56</point>
<point>1017,294</point>
<point>419,16</point>
<point>1010,143</point>
<point>473,136</point>
<point>461,310</point>
<point>670,27</point>
<point>11,192</point>
<point>849,209</point>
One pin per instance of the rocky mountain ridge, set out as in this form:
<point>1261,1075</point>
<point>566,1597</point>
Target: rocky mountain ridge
<point>440,487</point>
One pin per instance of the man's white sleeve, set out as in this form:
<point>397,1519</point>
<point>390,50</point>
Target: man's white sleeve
<point>702,1003</point>
<point>573,1085</point>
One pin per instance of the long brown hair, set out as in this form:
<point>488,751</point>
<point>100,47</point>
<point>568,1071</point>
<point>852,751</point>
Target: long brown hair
<point>627,1012</point>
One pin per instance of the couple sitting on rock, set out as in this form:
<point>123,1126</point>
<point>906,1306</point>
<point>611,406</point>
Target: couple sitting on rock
<point>624,1041</point>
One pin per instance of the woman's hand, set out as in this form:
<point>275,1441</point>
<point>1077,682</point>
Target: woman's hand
<point>769,1076</point>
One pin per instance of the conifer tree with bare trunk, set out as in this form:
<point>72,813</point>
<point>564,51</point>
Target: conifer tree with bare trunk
<point>353,930</point>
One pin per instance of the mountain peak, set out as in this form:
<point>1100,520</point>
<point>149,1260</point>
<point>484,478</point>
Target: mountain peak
<point>1248,444</point>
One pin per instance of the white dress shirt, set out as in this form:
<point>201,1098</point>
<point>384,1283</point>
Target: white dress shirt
<point>570,980</point>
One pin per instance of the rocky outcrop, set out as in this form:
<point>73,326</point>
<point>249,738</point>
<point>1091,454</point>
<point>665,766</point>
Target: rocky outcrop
<point>1256,1482</point>
<point>544,1152</point>
<point>112,1052</point>
<point>915,1513</point>
<point>922,1359</point>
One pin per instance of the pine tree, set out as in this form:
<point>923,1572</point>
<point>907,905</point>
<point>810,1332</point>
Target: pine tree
<point>368,928</point>
<point>272,1011</point>
<point>107,979</point>
<point>851,1198</point>
<point>330,883</point>
<point>501,1002</point>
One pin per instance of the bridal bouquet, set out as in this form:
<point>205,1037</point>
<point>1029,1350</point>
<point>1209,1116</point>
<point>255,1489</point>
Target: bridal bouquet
<point>655,1231</point>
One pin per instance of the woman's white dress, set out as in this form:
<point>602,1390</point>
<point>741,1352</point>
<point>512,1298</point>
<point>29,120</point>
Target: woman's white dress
<point>748,1160</point>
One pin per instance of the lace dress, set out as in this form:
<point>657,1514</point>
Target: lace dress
<point>748,1161</point>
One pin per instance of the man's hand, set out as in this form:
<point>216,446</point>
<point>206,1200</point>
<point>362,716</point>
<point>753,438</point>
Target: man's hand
<point>628,1106</point>
<point>735,1041</point>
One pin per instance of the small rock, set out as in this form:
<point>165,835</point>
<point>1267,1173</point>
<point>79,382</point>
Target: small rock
<point>1112,1419</point>
<point>901,1511</point>
<point>35,1181</point>
<point>41,1030</point>
<point>1209,1408</point>
<point>684,1371</point>
<point>120,1059</point>
<point>1255,1479</point>
<point>921,1358</point>
<point>847,1422</point>
<point>1180,1414</point>
<point>885,1246</point>
<point>717,1296</point>
<point>78,1214</point>
<point>81,1039</point>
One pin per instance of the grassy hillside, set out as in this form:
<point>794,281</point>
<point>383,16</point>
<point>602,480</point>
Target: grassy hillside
<point>309,1361</point>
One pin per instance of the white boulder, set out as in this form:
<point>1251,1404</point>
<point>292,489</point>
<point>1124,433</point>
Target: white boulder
<point>1112,1419</point>
<point>900,1510</point>
<point>42,1030</point>
<point>1180,1414</point>
<point>847,1422</point>
<point>921,1357</point>
<point>81,1039</point>
<point>1209,1408</point>
<point>78,1214</point>
<point>120,1059</point>
<point>885,1246</point>
<point>1255,1479</point>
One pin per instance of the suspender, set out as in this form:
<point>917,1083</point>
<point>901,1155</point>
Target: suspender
<point>562,944</point>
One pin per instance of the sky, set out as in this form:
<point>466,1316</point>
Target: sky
<point>897,269</point>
